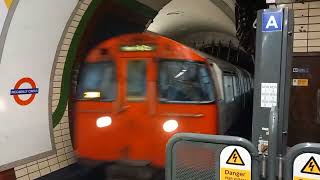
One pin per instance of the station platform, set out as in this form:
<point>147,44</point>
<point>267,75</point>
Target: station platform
<point>106,172</point>
<point>76,172</point>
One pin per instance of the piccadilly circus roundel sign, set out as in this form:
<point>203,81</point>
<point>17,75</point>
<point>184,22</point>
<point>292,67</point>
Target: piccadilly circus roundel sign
<point>17,91</point>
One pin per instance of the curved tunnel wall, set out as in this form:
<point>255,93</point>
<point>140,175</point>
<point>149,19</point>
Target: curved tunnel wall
<point>75,39</point>
<point>26,62</point>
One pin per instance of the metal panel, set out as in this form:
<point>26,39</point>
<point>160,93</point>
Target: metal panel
<point>273,61</point>
<point>196,156</point>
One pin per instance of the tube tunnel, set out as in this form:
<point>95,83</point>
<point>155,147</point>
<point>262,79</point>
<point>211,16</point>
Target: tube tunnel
<point>44,44</point>
<point>215,27</point>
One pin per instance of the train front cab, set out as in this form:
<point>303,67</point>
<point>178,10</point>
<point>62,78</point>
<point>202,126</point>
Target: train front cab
<point>140,100</point>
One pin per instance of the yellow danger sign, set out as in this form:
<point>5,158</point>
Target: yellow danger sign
<point>311,167</point>
<point>235,163</point>
<point>303,178</point>
<point>235,158</point>
<point>234,174</point>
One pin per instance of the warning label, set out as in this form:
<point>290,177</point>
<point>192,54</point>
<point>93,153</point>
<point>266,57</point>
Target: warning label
<point>235,163</point>
<point>311,167</point>
<point>235,158</point>
<point>234,174</point>
<point>306,167</point>
<point>300,82</point>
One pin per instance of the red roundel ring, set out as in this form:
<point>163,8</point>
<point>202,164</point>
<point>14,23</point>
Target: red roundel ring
<point>17,86</point>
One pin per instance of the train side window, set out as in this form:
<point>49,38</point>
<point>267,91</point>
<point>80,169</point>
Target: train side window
<point>228,88</point>
<point>245,80</point>
<point>182,81</point>
<point>235,86</point>
<point>136,80</point>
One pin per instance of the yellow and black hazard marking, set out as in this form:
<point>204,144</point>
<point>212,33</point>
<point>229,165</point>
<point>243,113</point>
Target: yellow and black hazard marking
<point>235,158</point>
<point>311,167</point>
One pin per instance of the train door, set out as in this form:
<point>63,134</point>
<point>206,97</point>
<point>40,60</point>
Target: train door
<point>304,113</point>
<point>134,106</point>
<point>230,107</point>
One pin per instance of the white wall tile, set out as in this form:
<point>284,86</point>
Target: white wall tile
<point>57,78</point>
<point>65,131</point>
<point>315,19</point>
<point>314,12</point>
<point>300,5</point>
<point>32,163</point>
<point>20,167</point>
<point>23,178</point>
<point>68,149</point>
<point>54,167</point>
<point>300,49</point>
<point>21,172</point>
<point>58,139</point>
<point>314,35</point>
<point>63,164</point>
<point>45,171</point>
<point>314,49</point>
<point>315,4</point>
<point>53,161</point>
<point>301,35</point>
<point>62,158</point>
<point>301,20</point>
<point>43,164</point>
<point>66,137</point>
<point>59,145</point>
<point>314,27</point>
<point>300,28</point>
<point>34,175</point>
<point>301,13</point>
<point>43,159</point>
<point>315,42</point>
<point>299,43</point>
<point>84,6</point>
<point>33,168</point>
<point>57,133</point>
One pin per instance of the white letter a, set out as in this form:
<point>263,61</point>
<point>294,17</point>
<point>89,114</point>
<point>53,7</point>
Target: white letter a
<point>272,22</point>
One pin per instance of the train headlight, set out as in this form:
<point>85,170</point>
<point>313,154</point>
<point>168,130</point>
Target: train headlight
<point>170,125</point>
<point>103,121</point>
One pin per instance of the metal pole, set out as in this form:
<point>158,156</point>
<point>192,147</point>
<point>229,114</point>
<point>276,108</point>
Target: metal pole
<point>272,144</point>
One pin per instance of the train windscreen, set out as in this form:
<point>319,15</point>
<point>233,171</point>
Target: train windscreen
<point>184,82</point>
<point>97,81</point>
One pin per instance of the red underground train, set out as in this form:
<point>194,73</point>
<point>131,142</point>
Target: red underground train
<point>136,90</point>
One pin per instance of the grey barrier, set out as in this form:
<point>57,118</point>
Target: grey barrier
<point>296,151</point>
<point>201,153</point>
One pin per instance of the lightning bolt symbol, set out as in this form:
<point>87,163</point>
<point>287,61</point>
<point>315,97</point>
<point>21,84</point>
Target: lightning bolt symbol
<point>311,166</point>
<point>234,157</point>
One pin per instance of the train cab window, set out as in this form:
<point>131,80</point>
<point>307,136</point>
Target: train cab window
<point>136,80</point>
<point>97,81</point>
<point>184,82</point>
<point>228,87</point>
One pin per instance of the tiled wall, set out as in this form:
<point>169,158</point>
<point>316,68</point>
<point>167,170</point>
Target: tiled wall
<point>62,158</point>
<point>64,155</point>
<point>307,26</point>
